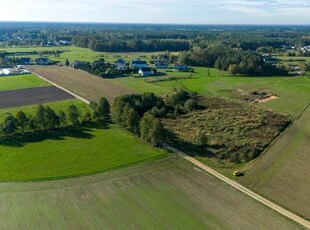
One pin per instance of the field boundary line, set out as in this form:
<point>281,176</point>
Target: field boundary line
<point>63,88</point>
<point>240,187</point>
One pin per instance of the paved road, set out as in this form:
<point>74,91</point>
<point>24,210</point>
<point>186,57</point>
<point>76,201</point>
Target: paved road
<point>241,188</point>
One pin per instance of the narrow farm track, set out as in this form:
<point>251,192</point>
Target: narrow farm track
<point>83,84</point>
<point>241,188</point>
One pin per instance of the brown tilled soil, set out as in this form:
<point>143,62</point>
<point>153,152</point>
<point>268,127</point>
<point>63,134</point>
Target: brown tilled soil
<point>86,85</point>
<point>22,97</point>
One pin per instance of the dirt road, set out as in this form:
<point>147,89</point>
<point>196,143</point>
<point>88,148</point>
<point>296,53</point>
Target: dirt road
<point>241,188</point>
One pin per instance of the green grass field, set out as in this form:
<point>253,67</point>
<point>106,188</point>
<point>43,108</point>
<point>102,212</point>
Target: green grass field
<point>21,82</point>
<point>69,153</point>
<point>31,109</point>
<point>163,194</point>
<point>293,92</point>
<point>282,173</point>
<point>73,53</point>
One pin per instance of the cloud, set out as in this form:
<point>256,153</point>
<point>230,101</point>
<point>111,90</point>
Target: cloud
<point>158,11</point>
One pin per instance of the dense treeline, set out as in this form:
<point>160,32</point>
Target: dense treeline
<point>141,113</point>
<point>133,112</point>
<point>133,45</point>
<point>236,61</point>
<point>126,37</point>
<point>46,119</point>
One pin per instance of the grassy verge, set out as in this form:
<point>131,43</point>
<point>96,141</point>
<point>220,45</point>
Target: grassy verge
<point>21,82</point>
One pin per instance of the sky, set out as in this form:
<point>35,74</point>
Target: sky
<point>159,11</point>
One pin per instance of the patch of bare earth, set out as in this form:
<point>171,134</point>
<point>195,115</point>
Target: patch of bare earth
<point>255,96</point>
<point>22,97</point>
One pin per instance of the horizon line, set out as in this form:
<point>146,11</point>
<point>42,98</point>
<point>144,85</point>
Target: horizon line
<point>154,23</point>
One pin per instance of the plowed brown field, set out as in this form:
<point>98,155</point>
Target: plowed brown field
<point>80,82</point>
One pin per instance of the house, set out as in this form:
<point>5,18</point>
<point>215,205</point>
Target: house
<point>42,61</point>
<point>120,61</point>
<point>138,64</point>
<point>120,64</point>
<point>161,65</point>
<point>270,60</point>
<point>287,47</point>
<point>98,63</point>
<point>180,67</point>
<point>80,64</point>
<point>144,72</point>
<point>13,71</point>
<point>65,43</point>
<point>25,61</point>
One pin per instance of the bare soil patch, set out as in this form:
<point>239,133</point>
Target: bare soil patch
<point>255,96</point>
<point>23,97</point>
<point>80,82</point>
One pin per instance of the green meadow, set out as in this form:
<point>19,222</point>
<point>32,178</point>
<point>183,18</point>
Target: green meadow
<point>21,82</point>
<point>293,92</point>
<point>71,152</point>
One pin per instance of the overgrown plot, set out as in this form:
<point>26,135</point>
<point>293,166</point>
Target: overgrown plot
<point>230,130</point>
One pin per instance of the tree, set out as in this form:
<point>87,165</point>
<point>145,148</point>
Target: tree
<point>190,105</point>
<point>32,123</point>
<point>131,120</point>
<point>87,118</point>
<point>233,69</point>
<point>40,116</point>
<point>22,120</point>
<point>62,118</point>
<point>102,110</point>
<point>151,129</point>
<point>67,62</point>
<point>73,115</point>
<point>9,125</point>
<point>52,120</point>
<point>202,139</point>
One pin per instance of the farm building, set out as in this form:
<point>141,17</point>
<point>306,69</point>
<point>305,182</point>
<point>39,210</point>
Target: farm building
<point>270,60</point>
<point>180,67</point>
<point>161,65</point>
<point>120,64</point>
<point>13,71</point>
<point>42,61</point>
<point>144,72</point>
<point>80,64</point>
<point>25,61</point>
<point>138,64</point>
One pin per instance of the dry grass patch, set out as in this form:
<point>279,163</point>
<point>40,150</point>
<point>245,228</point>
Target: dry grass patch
<point>234,131</point>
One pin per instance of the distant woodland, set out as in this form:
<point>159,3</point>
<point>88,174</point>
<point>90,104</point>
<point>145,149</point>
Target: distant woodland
<point>238,49</point>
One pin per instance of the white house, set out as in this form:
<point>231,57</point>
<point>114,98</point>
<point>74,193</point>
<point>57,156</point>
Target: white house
<point>144,72</point>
